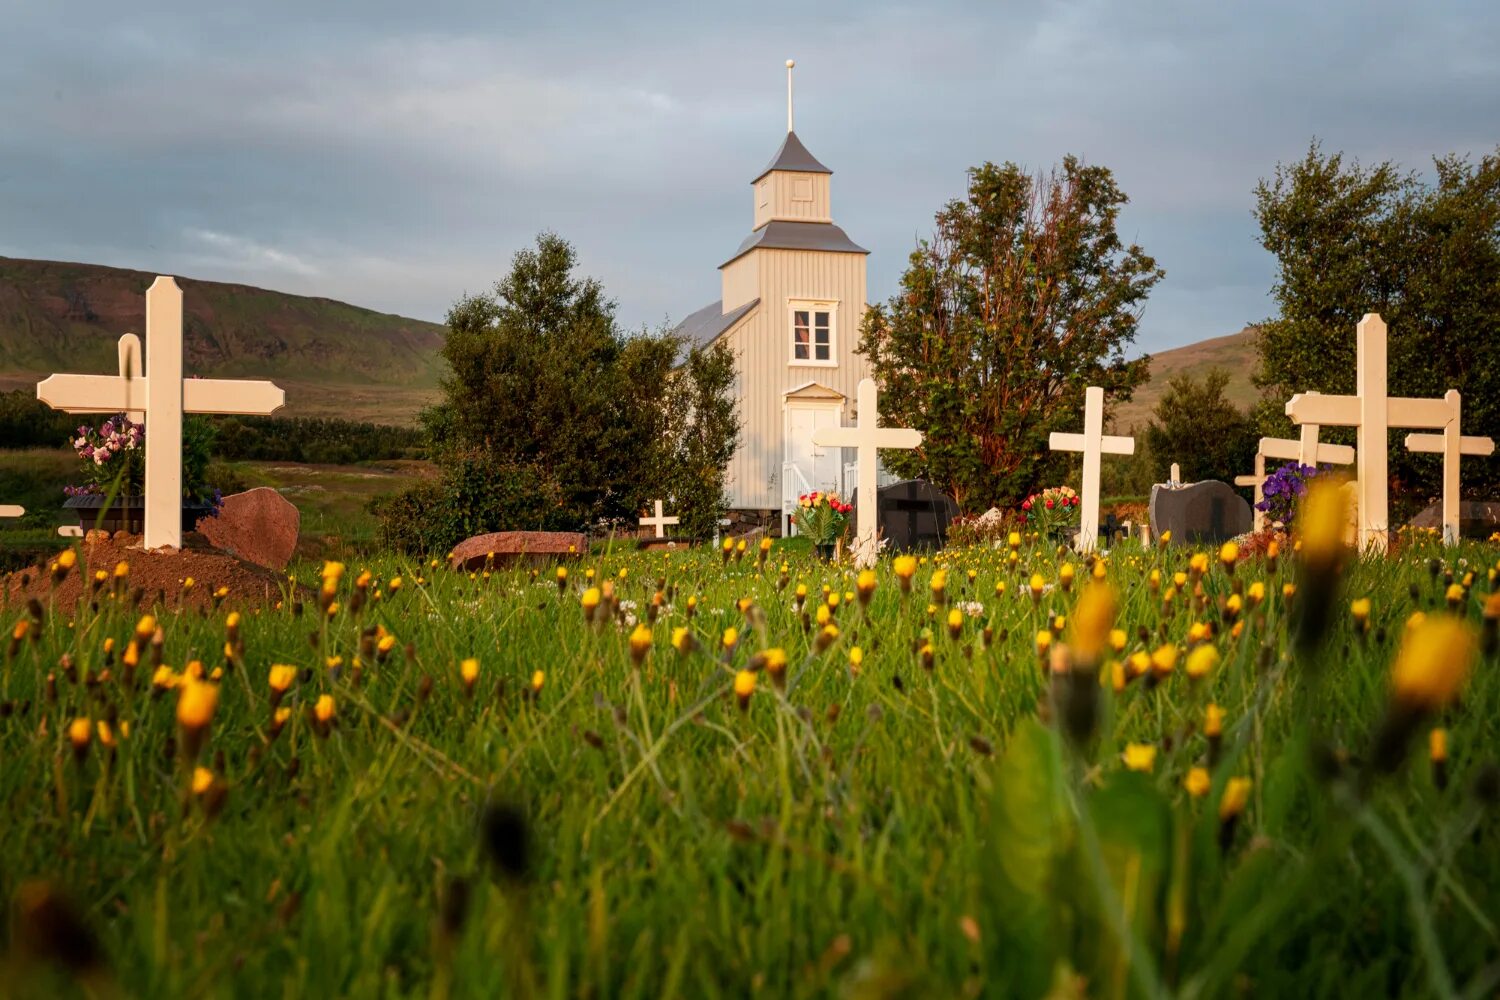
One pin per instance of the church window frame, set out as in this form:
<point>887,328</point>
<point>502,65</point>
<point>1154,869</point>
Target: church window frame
<point>813,325</point>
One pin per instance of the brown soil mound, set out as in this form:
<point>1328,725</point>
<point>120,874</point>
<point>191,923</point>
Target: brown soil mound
<point>154,578</point>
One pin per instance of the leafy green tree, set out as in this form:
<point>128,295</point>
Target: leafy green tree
<point>1023,296</point>
<point>1351,240</point>
<point>553,418</point>
<point>701,433</point>
<point>1196,426</point>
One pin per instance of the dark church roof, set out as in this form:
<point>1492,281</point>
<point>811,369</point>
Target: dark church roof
<point>793,156</point>
<point>782,235</point>
<point>705,326</point>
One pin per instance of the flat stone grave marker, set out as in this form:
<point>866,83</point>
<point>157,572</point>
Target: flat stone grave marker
<point>912,514</point>
<point>1475,518</point>
<point>1199,513</point>
<point>260,526</point>
<point>502,548</point>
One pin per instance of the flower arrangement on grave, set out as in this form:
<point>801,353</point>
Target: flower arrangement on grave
<point>1283,490</point>
<point>113,460</point>
<point>822,517</point>
<point>1051,510</point>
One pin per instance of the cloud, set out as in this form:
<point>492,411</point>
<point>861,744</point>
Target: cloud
<point>396,155</point>
<point>225,250</point>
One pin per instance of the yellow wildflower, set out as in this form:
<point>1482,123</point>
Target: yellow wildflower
<point>1140,756</point>
<point>1433,663</point>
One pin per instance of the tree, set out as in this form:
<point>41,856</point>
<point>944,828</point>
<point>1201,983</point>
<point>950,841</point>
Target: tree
<point>702,431</point>
<point>1023,297</point>
<point>552,418</point>
<point>1350,240</point>
<point>1194,425</point>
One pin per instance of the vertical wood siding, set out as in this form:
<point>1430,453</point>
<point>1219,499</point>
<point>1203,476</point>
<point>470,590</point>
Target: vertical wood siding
<point>762,345</point>
<point>782,203</point>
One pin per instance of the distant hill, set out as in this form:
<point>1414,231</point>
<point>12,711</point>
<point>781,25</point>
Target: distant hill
<point>333,359</point>
<point>1235,353</point>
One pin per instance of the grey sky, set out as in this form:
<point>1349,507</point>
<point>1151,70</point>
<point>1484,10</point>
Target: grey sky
<point>395,155</point>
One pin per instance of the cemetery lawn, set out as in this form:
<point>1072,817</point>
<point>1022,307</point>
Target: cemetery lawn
<point>585,807</point>
<point>333,499</point>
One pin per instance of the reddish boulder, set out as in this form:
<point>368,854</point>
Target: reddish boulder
<point>502,547</point>
<point>260,526</point>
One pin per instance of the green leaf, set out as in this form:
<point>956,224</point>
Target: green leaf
<point>1032,832</point>
<point>1134,827</point>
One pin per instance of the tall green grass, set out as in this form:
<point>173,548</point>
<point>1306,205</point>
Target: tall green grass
<point>887,831</point>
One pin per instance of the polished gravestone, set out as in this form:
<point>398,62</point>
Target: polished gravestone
<point>1199,513</point>
<point>913,514</point>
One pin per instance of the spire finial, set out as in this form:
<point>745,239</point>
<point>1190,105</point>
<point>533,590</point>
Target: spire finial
<point>789,64</point>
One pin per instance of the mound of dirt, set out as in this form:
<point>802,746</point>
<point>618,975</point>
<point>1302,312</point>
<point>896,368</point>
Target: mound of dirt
<point>218,579</point>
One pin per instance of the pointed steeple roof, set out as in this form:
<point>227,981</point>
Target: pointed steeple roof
<point>793,156</point>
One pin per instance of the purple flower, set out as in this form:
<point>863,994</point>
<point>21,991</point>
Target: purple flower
<point>1282,489</point>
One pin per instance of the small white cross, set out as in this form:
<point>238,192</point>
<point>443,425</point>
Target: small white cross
<point>1305,450</point>
<point>1093,442</point>
<point>1174,476</point>
<point>164,396</point>
<point>866,437</point>
<point>1373,414</point>
<point>659,521</point>
<point>1451,446</point>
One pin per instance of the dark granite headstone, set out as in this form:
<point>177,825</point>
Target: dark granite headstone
<point>913,514</point>
<point>1198,513</point>
<point>1476,518</point>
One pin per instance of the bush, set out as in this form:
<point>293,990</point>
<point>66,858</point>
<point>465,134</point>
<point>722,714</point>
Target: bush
<point>474,495</point>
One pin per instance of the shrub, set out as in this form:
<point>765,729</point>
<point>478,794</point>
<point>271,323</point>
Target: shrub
<point>474,495</point>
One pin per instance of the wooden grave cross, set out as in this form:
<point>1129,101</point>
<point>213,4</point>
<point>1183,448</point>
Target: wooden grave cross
<point>1093,442</point>
<point>1451,445</point>
<point>659,521</point>
<point>1372,413</point>
<point>866,437</point>
<point>163,396</point>
<point>1305,450</point>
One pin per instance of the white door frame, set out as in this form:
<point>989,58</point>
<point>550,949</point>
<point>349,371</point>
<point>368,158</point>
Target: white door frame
<point>834,406</point>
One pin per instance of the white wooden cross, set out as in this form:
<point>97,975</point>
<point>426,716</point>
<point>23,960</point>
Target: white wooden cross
<point>659,521</point>
<point>1093,442</point>
<point>1305,450</point>
<point>1450,445</point>
<point>1373,414</point>
<point>163,396</point>
<point>867,437</point>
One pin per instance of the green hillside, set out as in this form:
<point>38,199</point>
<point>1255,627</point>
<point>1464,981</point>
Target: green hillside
<point>331,357</point>
<point>1234,353</point>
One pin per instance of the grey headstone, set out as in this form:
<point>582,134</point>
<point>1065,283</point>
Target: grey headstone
<point>913,514</point>
<point>1476,518</point>
<point>1198,513</point>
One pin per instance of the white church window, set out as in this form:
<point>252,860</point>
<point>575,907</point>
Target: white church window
<point>802,189</point>
<point>812,333</point>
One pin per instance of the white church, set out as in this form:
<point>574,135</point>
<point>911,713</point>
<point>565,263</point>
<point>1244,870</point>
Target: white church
<point>793,298</point>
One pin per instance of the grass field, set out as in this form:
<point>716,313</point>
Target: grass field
<point>722,777</point>
<point>333,499</point>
